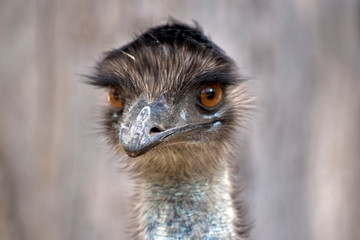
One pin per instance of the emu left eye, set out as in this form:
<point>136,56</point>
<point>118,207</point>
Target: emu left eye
<point>114,97</point>
<point>210,95</point>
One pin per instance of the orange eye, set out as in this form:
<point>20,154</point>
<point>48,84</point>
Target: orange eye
<point>114,97</point>
<point>210,95</point>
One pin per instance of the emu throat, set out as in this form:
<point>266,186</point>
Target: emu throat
<point>196,210</point>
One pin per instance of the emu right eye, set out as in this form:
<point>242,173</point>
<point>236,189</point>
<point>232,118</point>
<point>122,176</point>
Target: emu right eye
<point>114,97</point>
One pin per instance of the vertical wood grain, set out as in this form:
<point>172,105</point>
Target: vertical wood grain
<point>59,181</point>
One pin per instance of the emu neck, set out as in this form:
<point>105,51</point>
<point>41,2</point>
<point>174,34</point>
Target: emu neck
<point>197,209</point>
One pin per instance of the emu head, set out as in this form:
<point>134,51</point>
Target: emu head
<point>175,100</point>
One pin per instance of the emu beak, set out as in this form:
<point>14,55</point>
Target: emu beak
<point>144,129</point>
<point>148,125</point>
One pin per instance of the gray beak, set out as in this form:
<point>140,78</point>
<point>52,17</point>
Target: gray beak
<point>145,128</point>
<point>148,125</point>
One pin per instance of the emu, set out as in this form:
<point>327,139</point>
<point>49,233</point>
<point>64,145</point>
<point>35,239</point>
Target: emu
<point>175,103</point>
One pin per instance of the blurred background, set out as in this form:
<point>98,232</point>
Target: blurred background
<point>302,174</point>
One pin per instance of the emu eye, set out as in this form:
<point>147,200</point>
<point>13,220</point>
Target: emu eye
<point>210,95</point>
<point>114,97</point>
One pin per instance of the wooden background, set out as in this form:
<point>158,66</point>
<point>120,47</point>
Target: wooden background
<point>302,177</point>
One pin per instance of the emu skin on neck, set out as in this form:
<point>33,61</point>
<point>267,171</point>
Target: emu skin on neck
<point>193,210</point>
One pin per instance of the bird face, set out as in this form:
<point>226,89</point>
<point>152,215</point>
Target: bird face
<point>173,94</point>
<point>147,124</point>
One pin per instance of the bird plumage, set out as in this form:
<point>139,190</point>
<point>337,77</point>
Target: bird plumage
<point>178,147</point>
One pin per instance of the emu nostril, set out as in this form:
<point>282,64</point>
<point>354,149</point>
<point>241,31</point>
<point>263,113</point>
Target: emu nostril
<point>155,130</point>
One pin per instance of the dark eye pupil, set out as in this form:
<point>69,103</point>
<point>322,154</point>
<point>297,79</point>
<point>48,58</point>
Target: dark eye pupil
<point>210,93</point>
<point>116,95</point>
